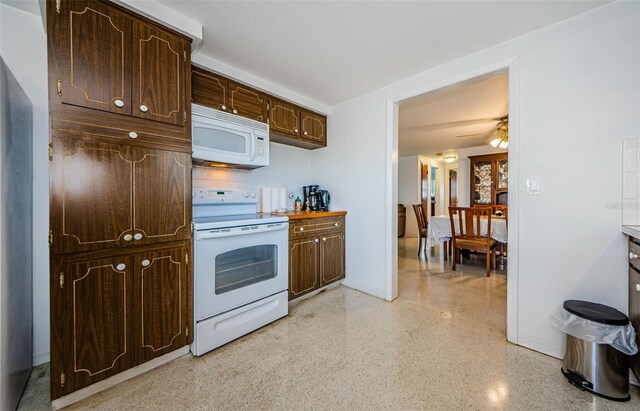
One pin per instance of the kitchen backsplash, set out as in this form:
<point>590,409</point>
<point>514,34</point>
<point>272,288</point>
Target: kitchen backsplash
<point>210,177</point>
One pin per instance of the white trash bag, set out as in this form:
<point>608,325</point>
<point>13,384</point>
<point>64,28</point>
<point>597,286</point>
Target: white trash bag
<point>620,337</point>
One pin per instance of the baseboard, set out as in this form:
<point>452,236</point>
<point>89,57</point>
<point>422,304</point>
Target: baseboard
<point>375,293</point>
<point>298,300</point>
<point>541,348</point>
<point>86,392</point>
<point>41,358</point>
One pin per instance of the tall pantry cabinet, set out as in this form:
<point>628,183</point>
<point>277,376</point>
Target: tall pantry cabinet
<point>120,191</point>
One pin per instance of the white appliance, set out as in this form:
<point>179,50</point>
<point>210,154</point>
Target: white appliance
<point>241,267</point>
<point>220,137</point>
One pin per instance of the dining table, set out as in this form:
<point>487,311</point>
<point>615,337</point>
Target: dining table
<point>439,229</point>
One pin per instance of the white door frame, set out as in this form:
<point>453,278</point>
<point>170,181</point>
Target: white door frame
<point>391,198</point>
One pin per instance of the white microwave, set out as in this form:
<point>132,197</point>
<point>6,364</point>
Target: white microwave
<point>224,138</point>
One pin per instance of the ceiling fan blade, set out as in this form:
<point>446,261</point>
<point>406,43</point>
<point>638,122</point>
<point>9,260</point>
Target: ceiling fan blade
<point>451,124</point>
<point>472,135</point>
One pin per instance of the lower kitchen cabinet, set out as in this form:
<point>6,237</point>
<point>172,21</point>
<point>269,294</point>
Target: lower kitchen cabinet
<point>316,259</point>
<point>634,313</point>
<point>119,309</point>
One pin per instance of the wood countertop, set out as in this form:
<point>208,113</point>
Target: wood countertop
<point>299,215</point>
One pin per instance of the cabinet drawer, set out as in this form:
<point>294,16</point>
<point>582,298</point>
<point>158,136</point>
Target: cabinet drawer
<point>315,226</point>
<point>634,255</point>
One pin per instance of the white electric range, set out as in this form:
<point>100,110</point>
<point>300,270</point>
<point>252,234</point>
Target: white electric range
<point>240,267</point>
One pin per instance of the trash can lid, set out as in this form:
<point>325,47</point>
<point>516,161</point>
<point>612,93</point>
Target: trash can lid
<point>599,313</point>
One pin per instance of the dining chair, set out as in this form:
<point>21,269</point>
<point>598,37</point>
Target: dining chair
<point>422,227</point>
<point>468,235</point>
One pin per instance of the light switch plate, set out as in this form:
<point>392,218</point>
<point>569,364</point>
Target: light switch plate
<point>534,187</point>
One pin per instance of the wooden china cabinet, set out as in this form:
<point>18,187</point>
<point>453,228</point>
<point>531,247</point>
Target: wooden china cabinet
<point>489,179</point>
<point>120,191</point>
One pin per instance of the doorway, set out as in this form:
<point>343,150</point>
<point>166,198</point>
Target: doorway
<point>454,140</point>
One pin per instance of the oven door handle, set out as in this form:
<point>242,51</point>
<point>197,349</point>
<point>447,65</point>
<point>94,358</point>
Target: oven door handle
<point>236,231</point>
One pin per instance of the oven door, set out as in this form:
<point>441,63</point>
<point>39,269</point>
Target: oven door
<point>240,265</point>
<point>224,142</point>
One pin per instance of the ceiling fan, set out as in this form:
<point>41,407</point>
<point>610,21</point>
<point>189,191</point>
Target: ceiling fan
<point>501,139</point>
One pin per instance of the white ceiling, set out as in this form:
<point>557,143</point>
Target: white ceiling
<point>432,122</point>
<point>334,51</point>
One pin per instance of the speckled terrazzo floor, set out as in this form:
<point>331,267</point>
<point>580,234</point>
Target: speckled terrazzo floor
<point>440,346</point>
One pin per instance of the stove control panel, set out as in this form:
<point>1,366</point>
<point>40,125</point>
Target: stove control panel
<point>205,196</point>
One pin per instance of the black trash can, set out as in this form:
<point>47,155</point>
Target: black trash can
<point>597,368</point>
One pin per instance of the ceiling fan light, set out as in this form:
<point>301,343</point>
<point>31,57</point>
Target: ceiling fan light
<point>503,144</point>
<point>495,142</point>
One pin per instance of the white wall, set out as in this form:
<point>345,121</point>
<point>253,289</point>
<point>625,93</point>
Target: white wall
<point>290,169</point>
<point>578,97</point>
<point>23,47</point>
<point>464,171</point>
<point>409,190</point>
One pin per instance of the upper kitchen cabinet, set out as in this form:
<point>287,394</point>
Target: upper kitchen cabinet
<point>208,89</point>
<point>214,91</point>
<point>296,126</point>
<point>90,76</point>
<point>247,102</point>
<point>284,118</point>
<point>158,83</point>
<point>103,58</point>
<point>313,127</point>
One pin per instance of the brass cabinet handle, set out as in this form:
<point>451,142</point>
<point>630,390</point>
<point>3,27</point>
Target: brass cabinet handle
<point>632,256</point>
<point>137,236</point>
<point>133,134</point>
<point>235,111</point>
<point>144,108</point>
<point>316,240</point>
<point>301,228</point>
<point>224,107</point>
<point>295,130</point>
<point>638,288</point>
<point>305,133</point>
<point>121,267</point>
<point>337,224</point>
<point>145,263</point>
<point>119,103</point>
<point>128,237</point>
<point>324,238</point>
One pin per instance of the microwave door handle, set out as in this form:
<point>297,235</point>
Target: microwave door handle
<point>253,146</point>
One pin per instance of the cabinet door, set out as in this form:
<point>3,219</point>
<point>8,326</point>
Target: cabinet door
<point>482,182</point>
<point>634,313</point>
<point>304,275</point>
<point>314,127</point>
<point>284,118</point>
<point>95,57</point>
<point>160,295</point>
<point>158,74</point>
<point>208,89</point>
<point>161,196</point>
<point>96,322</point>
<point>332,258</point>
<point>91,194</point>
<point>247,102</point>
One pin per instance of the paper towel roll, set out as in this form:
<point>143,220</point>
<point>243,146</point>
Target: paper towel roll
<point>265,200</point>
<point>275,199</point>
<point>283,200</point>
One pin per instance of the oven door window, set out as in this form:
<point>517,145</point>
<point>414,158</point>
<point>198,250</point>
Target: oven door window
<point>245,266</point>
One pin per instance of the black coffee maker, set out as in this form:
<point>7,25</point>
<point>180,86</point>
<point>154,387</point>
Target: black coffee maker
<point>315,199</point>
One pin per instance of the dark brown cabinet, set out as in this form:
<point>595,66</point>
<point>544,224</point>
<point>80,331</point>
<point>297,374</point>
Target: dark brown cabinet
<point>109,195</point>
<point>214,91</point>
<point>120,191</point>
<point>158,74</point>
<point>489,179</point>
<point>124,309</point>
<point>634,306</point>
<point>111,61</point>
<point>284,118</point>
<point>316,254</point>
<point>290,124</point>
